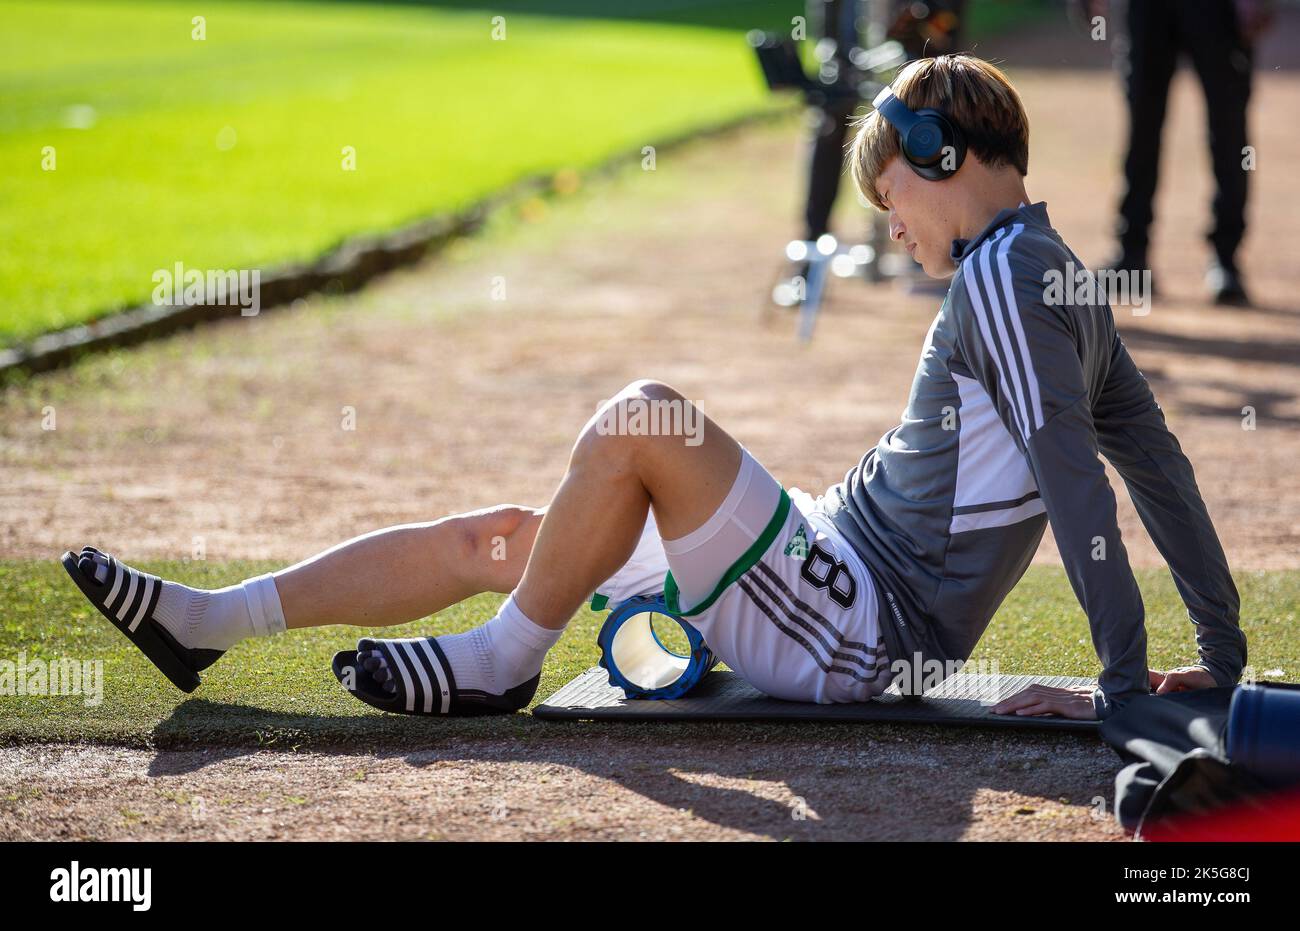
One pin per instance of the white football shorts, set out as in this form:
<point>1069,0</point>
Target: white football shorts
<point>773,588</point>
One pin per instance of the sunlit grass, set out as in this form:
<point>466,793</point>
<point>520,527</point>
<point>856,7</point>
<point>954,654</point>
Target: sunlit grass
<point>229,152</point>
<point>280,690</point>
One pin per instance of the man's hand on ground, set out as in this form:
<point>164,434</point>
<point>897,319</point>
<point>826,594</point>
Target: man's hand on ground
<point>1072,702</point>
<point>1076,701</point>
<point>1182,679</point>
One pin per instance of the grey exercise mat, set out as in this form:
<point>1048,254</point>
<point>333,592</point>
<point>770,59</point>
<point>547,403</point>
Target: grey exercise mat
<point>725,696</point>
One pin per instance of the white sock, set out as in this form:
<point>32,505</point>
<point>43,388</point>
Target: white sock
<point>217,620</point>
<point>504,652</point>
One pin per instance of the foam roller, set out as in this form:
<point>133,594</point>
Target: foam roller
<point>638,663</point>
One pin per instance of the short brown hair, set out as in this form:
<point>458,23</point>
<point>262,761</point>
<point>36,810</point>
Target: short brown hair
<point>971,92</point>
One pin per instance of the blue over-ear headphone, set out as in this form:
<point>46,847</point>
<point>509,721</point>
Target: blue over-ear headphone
<point>926,137</point>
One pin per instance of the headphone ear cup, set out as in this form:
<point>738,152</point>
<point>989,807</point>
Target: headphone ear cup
<point>958,141</point>
<point>929,143</point>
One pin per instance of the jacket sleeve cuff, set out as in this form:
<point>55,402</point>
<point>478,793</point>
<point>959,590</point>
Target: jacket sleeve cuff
<point>1221,676</point>
<point>1106,705</point>
<point>1101,705</point>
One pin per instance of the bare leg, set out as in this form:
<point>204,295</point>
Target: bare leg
<point>592,525</point>
<point>410,571</point>
<point>589,530</point>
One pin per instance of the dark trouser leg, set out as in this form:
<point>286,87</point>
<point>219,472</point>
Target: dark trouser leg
<point>1223,64</point>
<point>1146,66</point>
<point>825,164</point>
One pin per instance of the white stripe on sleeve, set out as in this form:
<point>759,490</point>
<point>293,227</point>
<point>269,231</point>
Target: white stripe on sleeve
<point>990,344</point>
<point>1031,377</point>
<point>997,310</point>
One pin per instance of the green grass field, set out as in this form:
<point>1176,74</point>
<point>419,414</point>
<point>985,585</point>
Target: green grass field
<point>280,692</point>
<point>228,152</point>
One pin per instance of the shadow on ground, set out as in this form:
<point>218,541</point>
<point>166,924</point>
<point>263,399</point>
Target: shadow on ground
<point>726,780</point>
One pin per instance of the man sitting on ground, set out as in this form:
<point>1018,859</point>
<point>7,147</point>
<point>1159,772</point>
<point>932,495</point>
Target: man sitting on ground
<point>903,562</point>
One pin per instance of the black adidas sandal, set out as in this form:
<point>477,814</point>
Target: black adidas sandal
<point>127,597</point>
<point>425,684</point>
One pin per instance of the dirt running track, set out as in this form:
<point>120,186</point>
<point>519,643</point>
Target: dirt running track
<point>233,435</point>
<point>1017,789</point>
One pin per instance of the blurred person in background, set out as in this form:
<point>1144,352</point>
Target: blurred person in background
<point>1219,37</point>
<point>842,29</point>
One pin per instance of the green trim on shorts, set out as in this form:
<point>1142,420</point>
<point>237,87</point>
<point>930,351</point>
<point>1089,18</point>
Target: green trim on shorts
<point>599,602</point>
<point>738,568</point>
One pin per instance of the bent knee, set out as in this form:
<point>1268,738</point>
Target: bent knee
<point>648,389</point>
<point>644,412</point>
<point>639,403</point>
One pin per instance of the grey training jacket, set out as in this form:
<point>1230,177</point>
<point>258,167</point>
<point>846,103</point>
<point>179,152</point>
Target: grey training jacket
<point>1011,403</point>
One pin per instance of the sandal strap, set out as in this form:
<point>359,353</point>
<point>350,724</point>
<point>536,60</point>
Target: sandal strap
<point>133,595</point>
<point>422,673</point>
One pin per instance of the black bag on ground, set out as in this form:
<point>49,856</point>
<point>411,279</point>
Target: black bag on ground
<point>1175,748</point>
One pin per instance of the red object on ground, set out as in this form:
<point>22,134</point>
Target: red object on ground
<point>1273,817</point>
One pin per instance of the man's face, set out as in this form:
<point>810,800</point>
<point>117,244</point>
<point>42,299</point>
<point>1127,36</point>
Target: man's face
<point>920,216</point>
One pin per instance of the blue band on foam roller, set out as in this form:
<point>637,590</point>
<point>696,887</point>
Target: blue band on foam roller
<point>1263,734</point>
<point>637,663</point>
